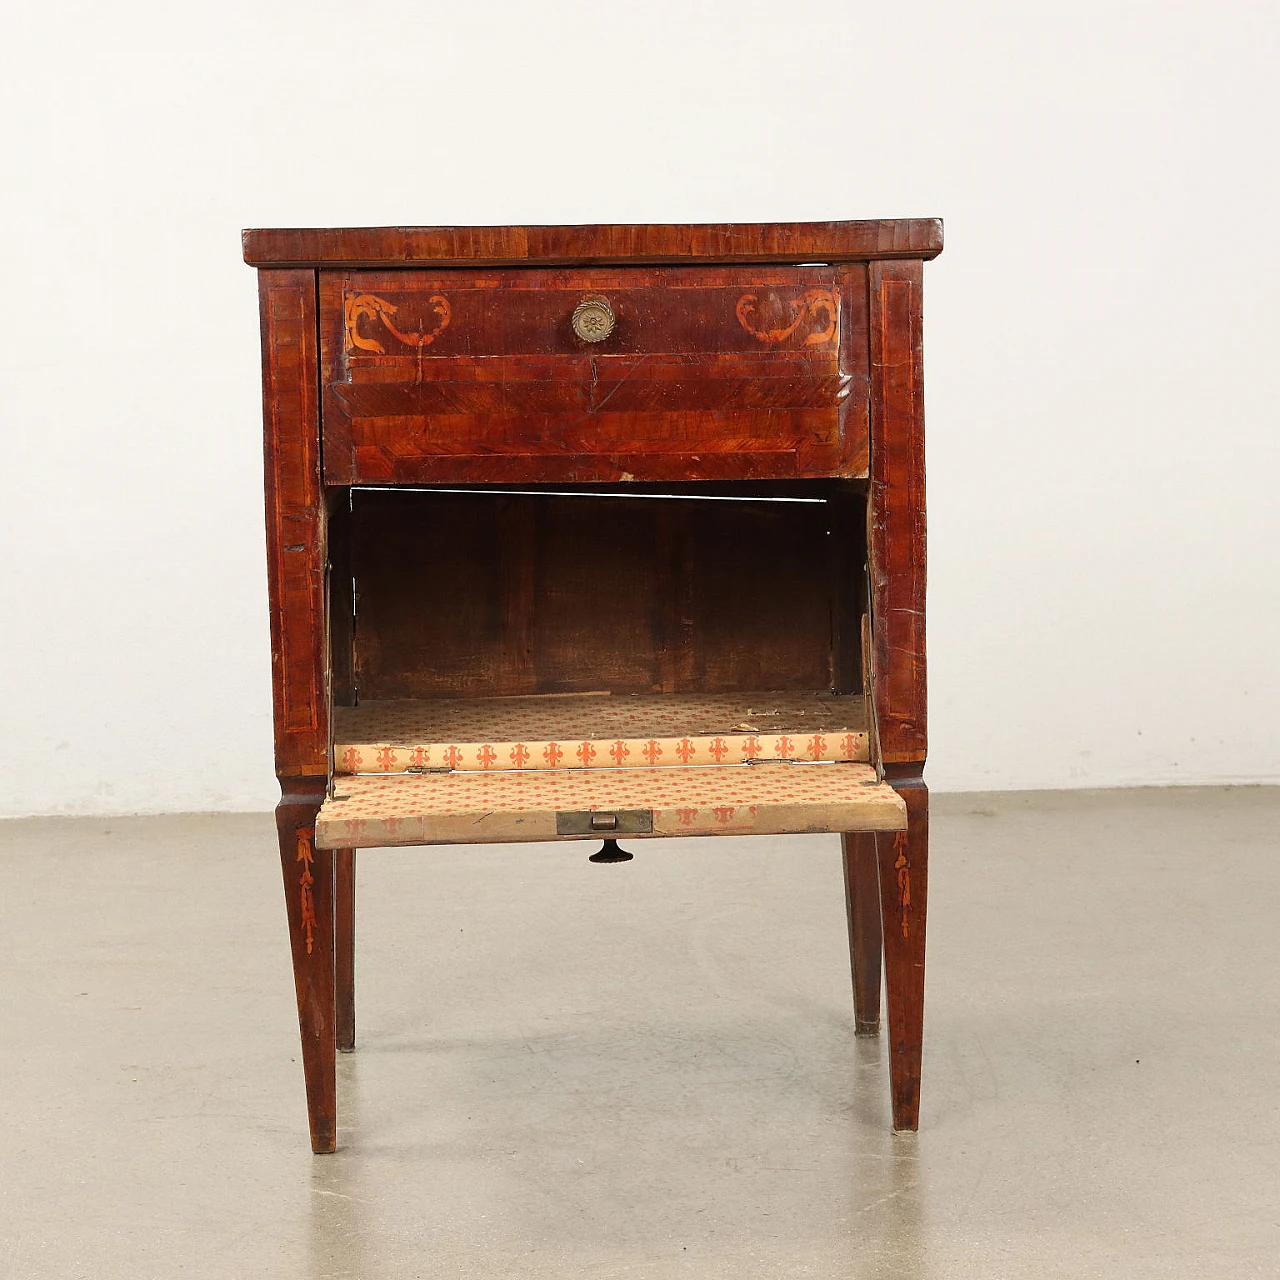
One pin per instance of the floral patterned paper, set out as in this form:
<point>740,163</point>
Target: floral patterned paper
<point>597,731</point>
<point>367,811</point>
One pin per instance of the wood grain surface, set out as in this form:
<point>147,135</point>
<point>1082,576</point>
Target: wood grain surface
<point>308,895</point>
<point>866,941</point>
<point>896,533</point>
<point>742,361</point>
<point>296,541</point>
<point>904,895</point>
<point>491,594</point>
<point>579,245</point>
<point>726,372</point>
<point>344,947</point>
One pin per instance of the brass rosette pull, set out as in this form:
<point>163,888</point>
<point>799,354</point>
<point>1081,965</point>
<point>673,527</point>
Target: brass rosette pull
<point>593,319</point>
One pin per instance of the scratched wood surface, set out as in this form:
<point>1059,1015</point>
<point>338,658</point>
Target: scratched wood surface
<point>904,887</point>
<point>862,240</point>
<point>897,513</point>
<point>492,594</point>
<point>707,373</point>
<point>296,525</point>
<point>897,552</point>
<point>308,895</point>
<point>663,603</point>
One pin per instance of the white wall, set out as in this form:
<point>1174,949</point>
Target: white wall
<point>1100,345</point>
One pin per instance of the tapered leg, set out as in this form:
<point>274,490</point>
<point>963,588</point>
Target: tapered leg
<point>344,946</point>
<point>866,945</point>
<point>308,894</point>
<point>904,886</point>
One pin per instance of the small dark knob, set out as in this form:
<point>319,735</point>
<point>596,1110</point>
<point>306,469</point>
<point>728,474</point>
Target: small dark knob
<point>593,319</point>
<point>609,852</point>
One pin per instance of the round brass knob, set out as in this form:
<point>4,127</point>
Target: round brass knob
<point>593,319</point>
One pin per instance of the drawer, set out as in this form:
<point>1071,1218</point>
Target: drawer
<point>597,374</point>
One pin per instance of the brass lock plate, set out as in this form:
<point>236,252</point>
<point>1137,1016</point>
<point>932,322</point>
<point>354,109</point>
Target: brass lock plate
<point>605,822</point>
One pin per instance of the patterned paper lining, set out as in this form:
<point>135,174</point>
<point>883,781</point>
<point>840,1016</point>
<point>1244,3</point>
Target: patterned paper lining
<point>744,799</point>
<point>597,731</point>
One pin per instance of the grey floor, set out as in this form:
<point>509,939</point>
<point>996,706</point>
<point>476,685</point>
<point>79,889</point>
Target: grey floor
<point>649,1069</point>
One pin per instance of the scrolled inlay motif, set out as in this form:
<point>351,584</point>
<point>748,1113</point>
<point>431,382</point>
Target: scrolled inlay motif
<point>306,886</point>
<point>814,305</point>
<point>368,306</point>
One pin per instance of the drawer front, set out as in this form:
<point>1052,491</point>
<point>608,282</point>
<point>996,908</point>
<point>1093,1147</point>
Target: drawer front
<point>594,375</point>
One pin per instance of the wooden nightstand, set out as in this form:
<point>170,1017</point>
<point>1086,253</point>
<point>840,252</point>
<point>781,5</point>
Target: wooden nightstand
<point>597,532</point>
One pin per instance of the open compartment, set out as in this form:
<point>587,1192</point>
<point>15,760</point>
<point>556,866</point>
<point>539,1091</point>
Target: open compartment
<point>543,631</point>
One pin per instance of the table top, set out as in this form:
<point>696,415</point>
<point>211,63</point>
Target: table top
<point>857,241</point>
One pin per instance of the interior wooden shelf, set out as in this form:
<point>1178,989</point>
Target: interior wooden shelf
<point>509,805</point>
<point>597,731</point>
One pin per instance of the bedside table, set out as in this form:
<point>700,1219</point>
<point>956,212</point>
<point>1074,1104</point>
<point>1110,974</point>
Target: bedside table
<point>597,533</point>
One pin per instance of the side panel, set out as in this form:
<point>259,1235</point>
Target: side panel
<point>896,515</point>
<point>295,521</point>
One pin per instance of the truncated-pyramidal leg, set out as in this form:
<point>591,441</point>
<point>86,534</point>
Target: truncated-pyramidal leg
<point>344,946</point>
<point>308,893</point>
<point>904,886</point>
<point>866,945</point>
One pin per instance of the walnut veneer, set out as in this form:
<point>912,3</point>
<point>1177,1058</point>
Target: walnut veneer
<point>597,529</point>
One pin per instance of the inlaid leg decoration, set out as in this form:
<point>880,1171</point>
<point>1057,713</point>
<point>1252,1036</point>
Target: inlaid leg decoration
<point>308,894</point>
<point>344,946</point>
<point>904,886</point>
<point>866,945</point>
